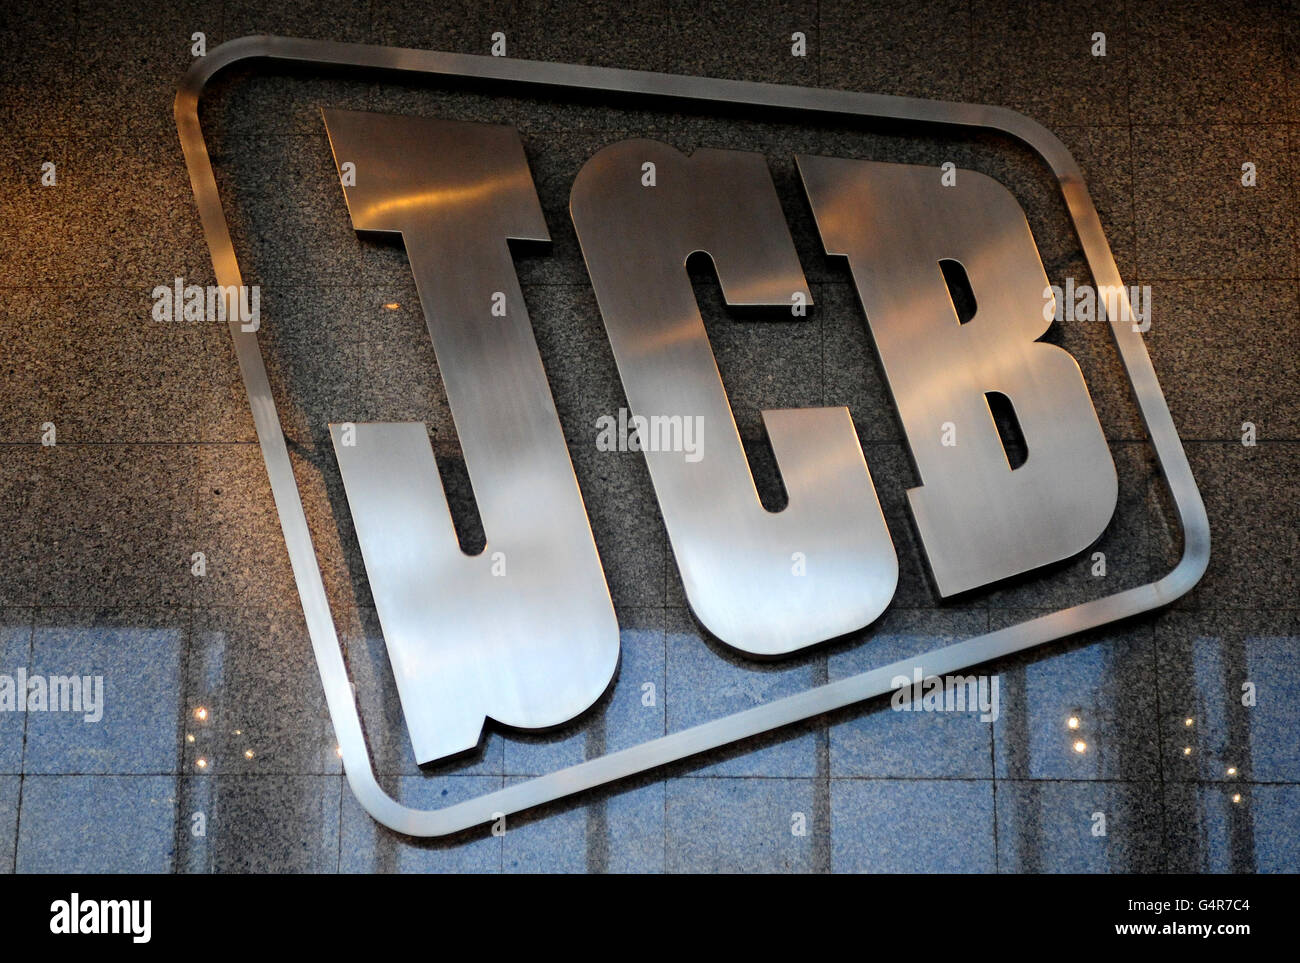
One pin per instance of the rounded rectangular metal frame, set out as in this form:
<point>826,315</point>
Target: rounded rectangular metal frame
<point>817,701</point>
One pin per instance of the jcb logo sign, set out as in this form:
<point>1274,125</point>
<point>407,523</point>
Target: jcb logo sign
<point>524,633</point>
<point>537,646</point>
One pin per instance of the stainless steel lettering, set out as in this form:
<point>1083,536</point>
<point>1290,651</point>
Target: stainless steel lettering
<point>524,632</point>
<point>768,101</point>
<point>765,583</point>
<point>979,520</point>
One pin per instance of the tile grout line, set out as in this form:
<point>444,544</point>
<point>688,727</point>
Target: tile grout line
<point>22,756</point>
<point>663,780</point>
<point>178,813</point>
<point>1160,749</point>
<point>993,768</point>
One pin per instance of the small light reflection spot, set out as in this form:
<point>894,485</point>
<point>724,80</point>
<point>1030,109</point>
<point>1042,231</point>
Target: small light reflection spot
<point>1080,746</point>
<point>201,713</point>
<point>1072,722</point>
<point>201,763</point>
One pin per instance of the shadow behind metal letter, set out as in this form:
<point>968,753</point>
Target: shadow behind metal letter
<point>525,632</point>
<point>765,583</point>
<point>979,520</point>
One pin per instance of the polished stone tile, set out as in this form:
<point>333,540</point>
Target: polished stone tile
<point>884,742</point>
<point>606,33</point>
<point>1232,829</point>
<point>462,26</point>
<point>635,831</point>
<point>1039,59</point>
<point>398,377</point>
<point>288,218</point>
<point>1207,59</point>
<point>711,38</point>
<point>603,33</point>
<point>550,840</point>
<point>130,220</point>
<point>1254,525</point>
<point>253,697</point>
<point>118,525</point>
<point>194,814</point>
<point>314,363</point>
<point>1105,679</point>
<point>576,354</point>
<point>34,215</point>
<point>557,110</point>
<point>10,789</point>
<point>629,713</point>
<point>1206,662</point>
<point>919,50</point>
<point>1048,14</point>
<point>734,825</point>
<point>40,66</point>
<point>764,364</point>
<point>1277,828</point>
<point>27,316</point>
<point>15,654</point>
<point>637,711</point>
<point>623,832</point>
<point>1079,827</point>
<point>1195,219</point>
<point>97,824</point>
<point>260,824</point>
<point>269,98</point>
<point>707,681</point>
<point>21,484</point>
<point>1105,155</point>
<point>238,531</point>
<point>367,847</point>
<point>854,377</point>
<point>1275,732</point>
<point>1236,323</point>
<point>912,826</point>
<point>228,417</point>
<point>335,20</point>
<point>1292,48</point>
<point>333,534</point>
<point>127,663</point>
<point>132,58</point>
<point>110,372</point>
<point>626,524</point>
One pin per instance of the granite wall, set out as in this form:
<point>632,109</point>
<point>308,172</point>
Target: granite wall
<point>215,751</point>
